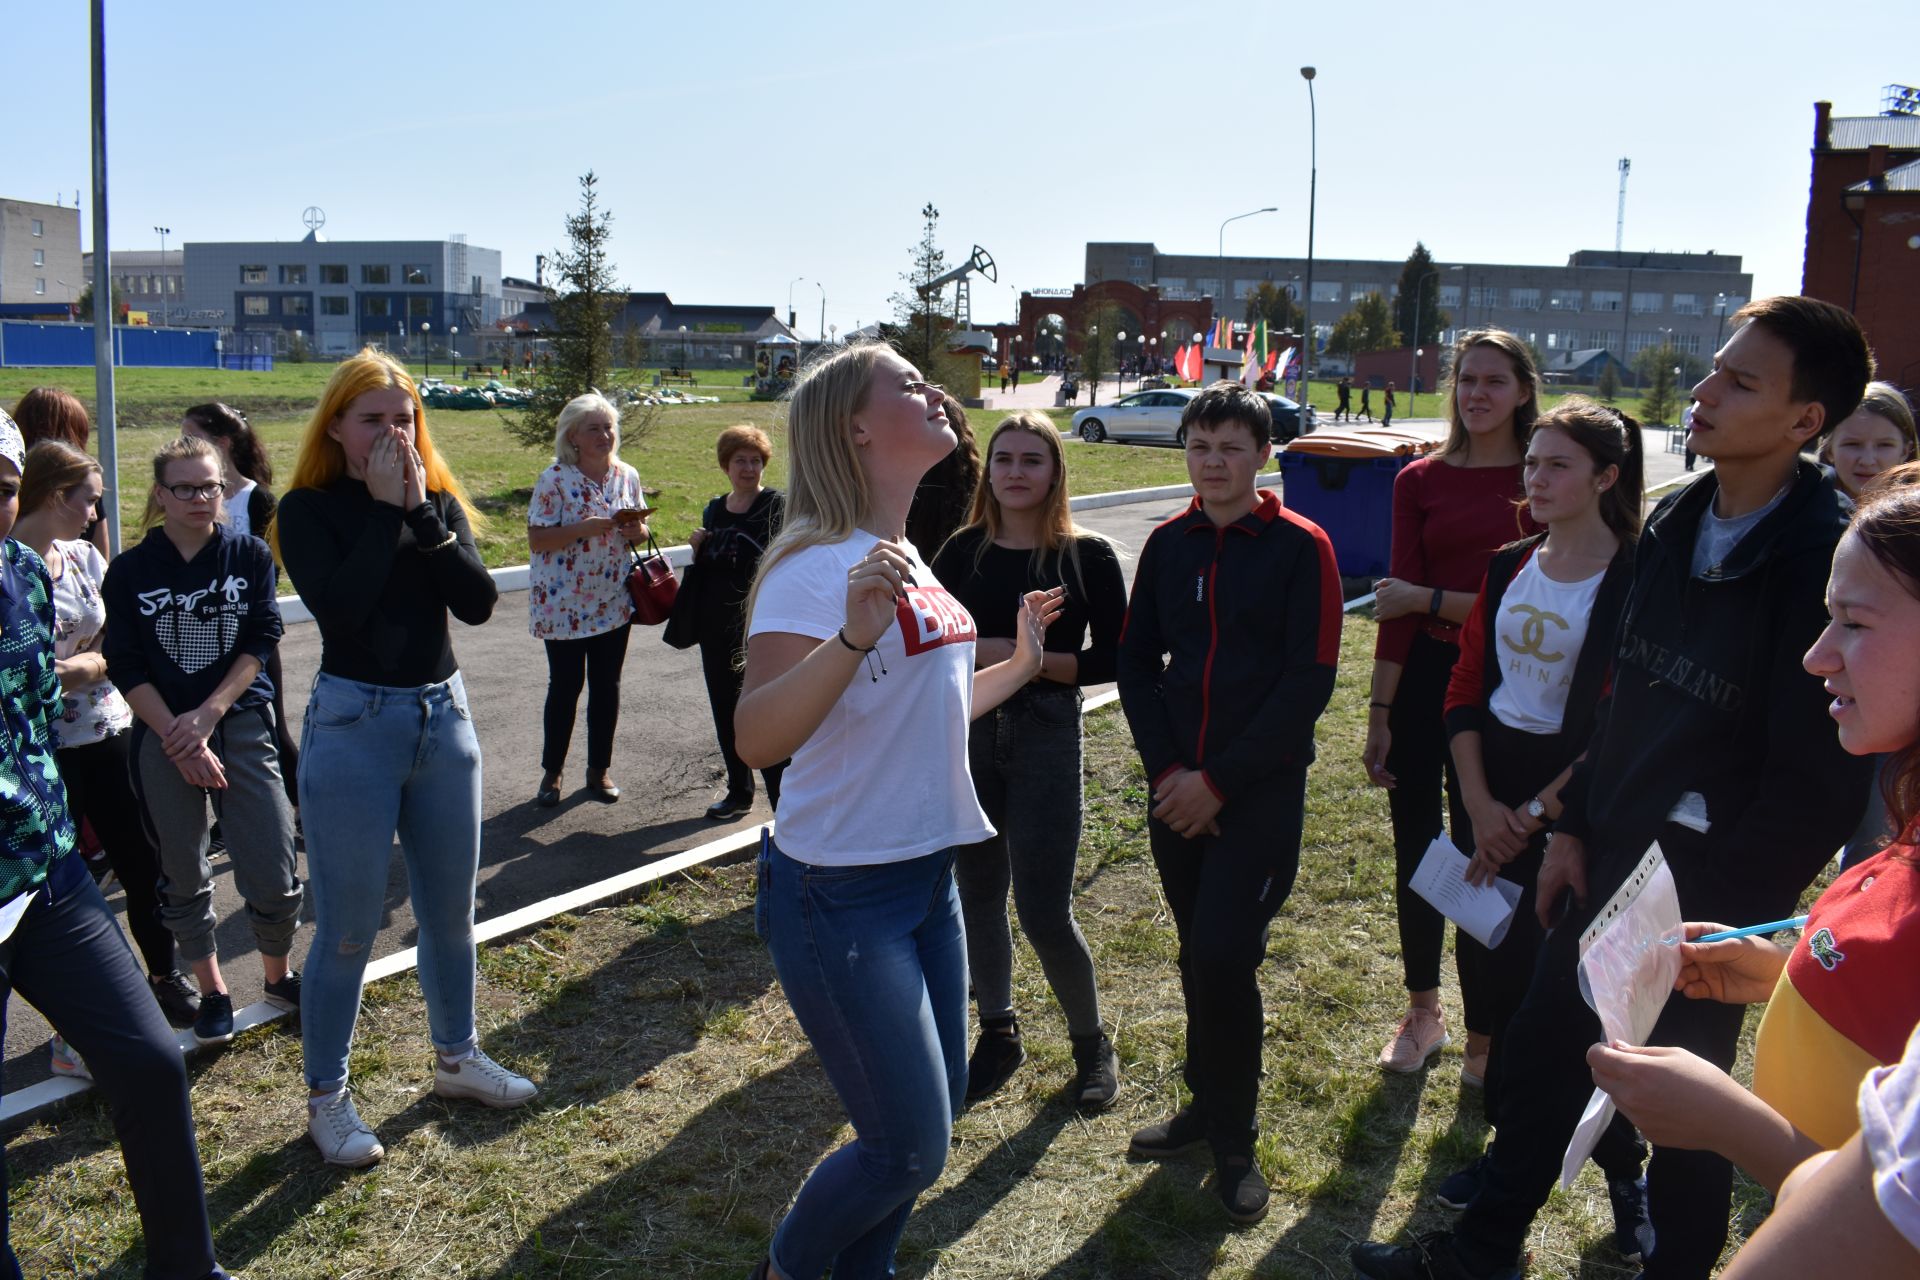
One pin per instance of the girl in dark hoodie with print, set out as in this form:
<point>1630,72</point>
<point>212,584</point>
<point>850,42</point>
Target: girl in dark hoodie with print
<point>191,621</point>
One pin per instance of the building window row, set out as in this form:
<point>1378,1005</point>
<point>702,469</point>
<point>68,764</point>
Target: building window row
<point>336,273</point>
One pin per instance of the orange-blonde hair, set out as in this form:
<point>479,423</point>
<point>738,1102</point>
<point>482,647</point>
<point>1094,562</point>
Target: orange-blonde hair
<point>321,460</point>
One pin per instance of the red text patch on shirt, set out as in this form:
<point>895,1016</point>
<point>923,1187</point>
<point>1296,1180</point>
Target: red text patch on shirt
<point>930,617</point>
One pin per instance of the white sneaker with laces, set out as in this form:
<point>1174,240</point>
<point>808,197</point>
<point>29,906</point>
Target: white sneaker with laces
<point>342,1136</point>
<point>480,1078</point>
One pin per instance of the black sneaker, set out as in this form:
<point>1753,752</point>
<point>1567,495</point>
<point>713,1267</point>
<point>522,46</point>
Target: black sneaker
<point>1242,1188</point>
<point>1431,1257</point>
<point>1462,1185</point>
<point>1186,1130</point>
<point>1096,1077</point>
<point>179,1002</point>
<point>214,1025</point>
<point>997,1054</point>
<point>730,806</point>
<point>1632,1227</point>
<point>284,995</point>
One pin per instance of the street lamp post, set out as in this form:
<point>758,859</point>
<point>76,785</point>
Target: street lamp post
<point>823,309</point>
<point>161,281</point>
<point>1119,362</point>
<point>796,280</point>
<point>686,358</point>
<point>1419,296</point>
<point>1140,361</point>
<point>426,346</point>
<point>1720,319</point>
<point>1220,247</point>
<point>1313,197</point>
<point>453,345</point>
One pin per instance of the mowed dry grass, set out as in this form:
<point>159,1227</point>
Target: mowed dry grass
<point>682,1106</point>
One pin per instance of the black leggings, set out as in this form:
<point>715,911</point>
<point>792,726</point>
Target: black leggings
<point>717,654</point>
<point>594,662</point>
<point>1417,758</point>
<point>101,791</point>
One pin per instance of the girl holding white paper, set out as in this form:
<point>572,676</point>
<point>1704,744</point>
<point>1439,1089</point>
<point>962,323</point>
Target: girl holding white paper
<point>1843,997</point>
<point>1523,699</point>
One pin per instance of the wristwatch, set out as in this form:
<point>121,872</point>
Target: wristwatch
<point>1537,809</point>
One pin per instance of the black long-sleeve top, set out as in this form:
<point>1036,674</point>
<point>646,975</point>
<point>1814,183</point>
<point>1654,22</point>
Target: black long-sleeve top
<point>379,591</point>
<point>1228,653</point>
<point>1096,598</point>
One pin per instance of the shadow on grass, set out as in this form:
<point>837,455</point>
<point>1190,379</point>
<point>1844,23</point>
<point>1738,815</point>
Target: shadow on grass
<point>938,1223</point>
<point>1169,1225</point>
<point>1373,1129</point>
<point>720,1180</point>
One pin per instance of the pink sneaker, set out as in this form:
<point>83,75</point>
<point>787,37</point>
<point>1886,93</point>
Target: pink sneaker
<point>1420,1035</point>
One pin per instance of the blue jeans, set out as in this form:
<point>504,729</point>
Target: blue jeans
<point>376,761</point>
<point>68,959</point>
<point>873,960</point>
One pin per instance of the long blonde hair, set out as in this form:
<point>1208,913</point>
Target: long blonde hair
<point>827,492</point>
<point>321,460</point>
<point>1059,535</point>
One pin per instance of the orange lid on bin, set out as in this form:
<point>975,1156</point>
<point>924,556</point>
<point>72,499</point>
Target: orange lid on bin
<point>1363,442</point>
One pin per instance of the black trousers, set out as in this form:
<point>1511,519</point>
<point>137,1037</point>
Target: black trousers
<point>1417,756</point>
<point>100,789</point>
<point>594,662</point>
<point>717,655</point>
<point>68,959</point>
<point>1223,891</point>
<point>1493,983</point>
<point>1545,1087</point>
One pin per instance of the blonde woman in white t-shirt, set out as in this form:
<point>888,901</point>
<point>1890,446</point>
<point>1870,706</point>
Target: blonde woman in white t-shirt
<point>1535,655</point>
<point>860,667</point>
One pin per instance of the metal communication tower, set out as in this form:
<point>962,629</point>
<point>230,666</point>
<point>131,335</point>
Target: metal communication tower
<point>1620,217</point>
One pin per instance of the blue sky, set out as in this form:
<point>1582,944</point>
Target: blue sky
<point>741,145</point>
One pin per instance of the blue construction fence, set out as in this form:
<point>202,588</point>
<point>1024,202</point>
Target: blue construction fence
<point>26,344</point>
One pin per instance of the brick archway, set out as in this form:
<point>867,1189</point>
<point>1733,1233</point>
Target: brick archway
<point>1154,313</point>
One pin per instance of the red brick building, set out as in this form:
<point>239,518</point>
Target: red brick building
<point>1863,231</point>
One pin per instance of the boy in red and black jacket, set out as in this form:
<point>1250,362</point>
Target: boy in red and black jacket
<point>1226,661</point>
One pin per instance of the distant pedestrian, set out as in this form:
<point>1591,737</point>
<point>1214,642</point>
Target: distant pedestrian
<point>1003,381</point>
<point>1366,403</point>
<point>1016,377</point>
<point>1386,416</point>
<point>1343,410</point>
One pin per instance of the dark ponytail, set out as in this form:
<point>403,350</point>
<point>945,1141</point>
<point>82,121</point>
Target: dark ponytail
<point>226,423</point>
<point>1612,439</point>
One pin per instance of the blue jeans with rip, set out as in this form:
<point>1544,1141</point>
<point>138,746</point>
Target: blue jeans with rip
<point>375,762</point>
<point>873,960</point>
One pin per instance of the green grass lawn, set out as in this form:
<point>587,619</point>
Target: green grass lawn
<point>681,1106</point>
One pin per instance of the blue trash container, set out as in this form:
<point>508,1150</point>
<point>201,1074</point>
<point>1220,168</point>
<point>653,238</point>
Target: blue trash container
<point>1351,497</point>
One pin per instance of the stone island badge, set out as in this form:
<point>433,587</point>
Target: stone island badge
<point>1824,949</point>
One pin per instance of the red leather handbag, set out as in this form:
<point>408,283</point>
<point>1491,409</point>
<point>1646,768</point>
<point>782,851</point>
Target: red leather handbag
<point>652,585</point>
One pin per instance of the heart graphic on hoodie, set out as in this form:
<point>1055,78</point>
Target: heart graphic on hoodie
<point>195,642</point>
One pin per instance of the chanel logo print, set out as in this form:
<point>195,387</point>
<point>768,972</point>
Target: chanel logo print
<point>1532,640</point>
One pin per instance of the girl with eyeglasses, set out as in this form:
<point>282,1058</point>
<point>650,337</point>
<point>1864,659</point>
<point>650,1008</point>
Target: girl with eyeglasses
<point>191,621</point>
<point>861,667</point>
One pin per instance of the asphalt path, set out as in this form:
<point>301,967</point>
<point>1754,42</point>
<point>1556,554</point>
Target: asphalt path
<point>666,762</point>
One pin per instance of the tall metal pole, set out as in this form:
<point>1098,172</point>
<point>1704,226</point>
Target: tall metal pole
<point>1413,342</point>
<point>1313,197</point>
<point>823,309</point>
<point>103,415</point>
<point>1220,247</point>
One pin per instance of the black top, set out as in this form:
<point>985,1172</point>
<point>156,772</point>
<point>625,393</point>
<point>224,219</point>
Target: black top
<point>1709,697</point>
<point>379,592</point>
<point>1096,599</point>
<point>730,556</point>
<point>179,624</point>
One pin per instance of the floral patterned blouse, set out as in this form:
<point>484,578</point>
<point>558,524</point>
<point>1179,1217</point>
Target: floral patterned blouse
<point>581,589</point>
<point>92,712</point>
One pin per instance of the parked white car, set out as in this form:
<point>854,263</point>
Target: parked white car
<point>1153,417</point>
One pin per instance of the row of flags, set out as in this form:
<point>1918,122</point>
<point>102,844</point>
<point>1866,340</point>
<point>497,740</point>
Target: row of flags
<point>1260,354</point>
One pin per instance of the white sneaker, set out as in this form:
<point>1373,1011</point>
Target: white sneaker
<point>340,1133</point>
<point>482,1079</point>
<point>66,1062</point>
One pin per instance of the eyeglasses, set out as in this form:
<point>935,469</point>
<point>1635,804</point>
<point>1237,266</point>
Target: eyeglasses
<point>931,390</point>
<point>189,492</point>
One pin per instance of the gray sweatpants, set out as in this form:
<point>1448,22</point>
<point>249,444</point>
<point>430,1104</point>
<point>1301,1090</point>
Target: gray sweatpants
<point>255,821</point>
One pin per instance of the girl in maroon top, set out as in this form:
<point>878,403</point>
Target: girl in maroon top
<point>1451,511</point>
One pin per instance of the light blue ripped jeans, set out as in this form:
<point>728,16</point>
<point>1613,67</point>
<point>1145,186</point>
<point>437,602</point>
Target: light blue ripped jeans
<point>873,960</point>
<point>375,762</point>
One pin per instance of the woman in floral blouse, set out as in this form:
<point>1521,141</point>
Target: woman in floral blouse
<point>586,511</point>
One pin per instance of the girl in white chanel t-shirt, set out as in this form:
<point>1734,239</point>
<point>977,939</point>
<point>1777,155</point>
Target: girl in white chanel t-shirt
<point>860,667</point>
<point>1534,659</point>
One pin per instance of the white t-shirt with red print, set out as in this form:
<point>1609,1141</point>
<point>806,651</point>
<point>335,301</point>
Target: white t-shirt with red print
<point>884,778</point>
